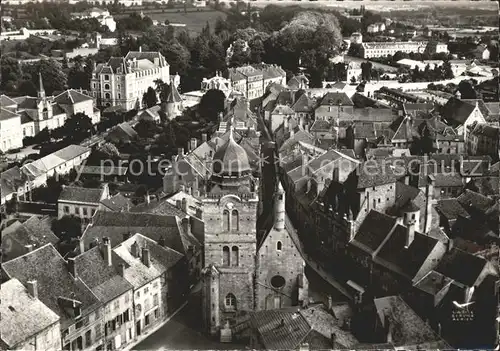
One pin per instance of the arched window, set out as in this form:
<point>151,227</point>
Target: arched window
<point>234,256</point>
<point>225,219</point>
<point>230,302</point>
<point>235,220</point>
<point>106,86</point>
<point>279,245</point>
<point>225,256</point>
<point>107,96</point>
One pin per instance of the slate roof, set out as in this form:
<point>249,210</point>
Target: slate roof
<point>26,102</point>
<point>104,281</point>
<point>369,114</point>
<point>303,104</point>
<point>34,232</point>
<point>10,180</point>
<point>117,203</point>
<point>471,200</point>
<point>374,230</point>
<point>410,259</point>
<point>138,274</point>
<point>49,268</point>
<point>409,328</point>
<point>334,98</point>
<point>320,126</point>
<point>487,130</point>
<point>453,263</point>
<point>6,101</point>
<point>22,315</point>
<point>7,114</point>
<point>173,94</point>
<point>79,194</point>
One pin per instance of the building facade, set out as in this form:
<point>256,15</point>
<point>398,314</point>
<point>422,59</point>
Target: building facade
<point>124,80</point>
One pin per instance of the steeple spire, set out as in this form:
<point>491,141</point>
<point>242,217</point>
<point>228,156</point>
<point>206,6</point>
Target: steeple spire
<point>41,90</point>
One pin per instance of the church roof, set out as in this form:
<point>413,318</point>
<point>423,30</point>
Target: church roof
<point>173,94</point>
<point>231,158</point>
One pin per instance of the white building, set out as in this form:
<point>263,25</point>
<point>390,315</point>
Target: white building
<point>380,49</point>
<point>218,82</point>
<point>11,136</point>
<point>103,16</point>
<point>357,38</point>
<point>81,202</point>
<point>124,80</point>
<point>354,71</point>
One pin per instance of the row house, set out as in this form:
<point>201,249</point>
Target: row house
<point>56,283</point>
<point>483,139</point>
<point>81,202</point>
<point>252,80</point>
<point>19,181</point>
<point>27,323</point>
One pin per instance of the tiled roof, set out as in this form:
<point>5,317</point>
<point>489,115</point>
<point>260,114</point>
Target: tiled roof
<point>276,335</point>
<point>335,98</point>
<point>10,180</point>
<point>374,230</point>
<point>104,281</point>
<point>320,126</point>
<point>49,268</point>
<point>78,194</point>
<point>303,104</point>
<point>487,186</point>
<point>22,315</point>
<point>457,111</point>
<point>472,201</point>
<point>487,130</point>
<point>70,152</point>
<point>71,97</point>
<point>136,272</point>
<point>6,101</point>
<point>26,102</point>
<point>32,232</point>
<point>374,173</point>
<point>433,282</point>
<point>301,135</point>
<point>453,263</point>
<point>451,209</point>
<point>370,114</point>
<point>408,260</point>
<point>117,203</point>
<point>409,328</point>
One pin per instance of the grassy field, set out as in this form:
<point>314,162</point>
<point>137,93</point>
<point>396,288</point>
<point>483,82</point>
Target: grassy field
<point>194,21</point>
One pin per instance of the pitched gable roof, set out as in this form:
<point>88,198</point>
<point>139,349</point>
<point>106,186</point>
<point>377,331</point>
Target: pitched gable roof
<point>374,229</point>
<point>453,266</point>
<point>336,98</point>
<point>79,194</point>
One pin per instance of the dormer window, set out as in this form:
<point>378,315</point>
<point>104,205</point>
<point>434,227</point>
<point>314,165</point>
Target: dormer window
<point>106,77</point>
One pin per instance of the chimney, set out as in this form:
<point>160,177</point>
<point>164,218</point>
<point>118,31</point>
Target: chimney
<point>330,303</point>
<point>193,144</point>
<point>388,326</point>
<point>161,241</point>
<point>32,286</point>
<point>146,259</point>
<point>121,268</point>
<point>204,137</point>
<point>410,233</point>
<point>134,249</point>
<point>106,251</point>
<point>81,245</point>
<point>71,266</point>
<point>185,224</point>
<point>184,205</point>
<point>449,245</point>
<point>429,191</point>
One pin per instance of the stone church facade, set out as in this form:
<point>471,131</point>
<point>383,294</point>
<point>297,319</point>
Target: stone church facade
<point>245,271</point>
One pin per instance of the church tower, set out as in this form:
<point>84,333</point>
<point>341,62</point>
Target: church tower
<point>230,216</point>
<point>41,90</point>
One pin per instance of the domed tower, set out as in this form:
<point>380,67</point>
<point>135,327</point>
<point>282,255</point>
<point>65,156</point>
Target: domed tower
<point>230,207</point>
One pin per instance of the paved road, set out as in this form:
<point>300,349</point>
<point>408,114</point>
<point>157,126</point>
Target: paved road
<point>184,332</point>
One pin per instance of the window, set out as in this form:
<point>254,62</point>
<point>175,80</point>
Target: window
<point>116,305</point>
<point>234,256</point>
<point>138,294</point>
<point>88,338</point>
<point>85,211</point>
<point>279,245</point>
<point>107,95</point>
<point>278,282</point>
<point>225,216</point>
<point>157,313</point>
<point>156,301</point>
<point>106,77</point>
<point>225,256</point>
<point>92,212</point>
<point>277,302</point>
<point>146,320</point>
<point>66,209</point>
<point>230,301</point>
<point>234,219</point>
<point>78,325</point>
<point>77,210</point>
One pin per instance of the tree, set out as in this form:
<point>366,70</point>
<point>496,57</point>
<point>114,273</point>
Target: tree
<point>211,104</point>
<point>78,127</point>
<point>54,77</point>
<point>67,227</point>
<point>149,98</point>
<point>447,70</point>
<point>467,90</point>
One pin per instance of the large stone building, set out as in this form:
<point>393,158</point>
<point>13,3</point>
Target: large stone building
<point>252,81</point>
<point>124,80</point>
<point>245,268</point>
<point>382,49</point>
